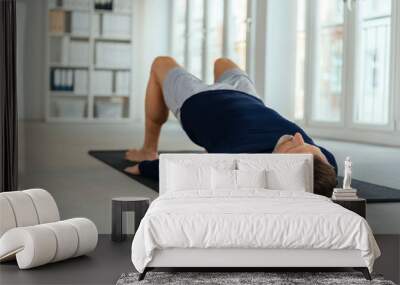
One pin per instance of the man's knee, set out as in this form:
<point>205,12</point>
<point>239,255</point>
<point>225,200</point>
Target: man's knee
<point>161,66</point>
<point>221,65</point>
<point>220,62</point>
<point>162,61</point>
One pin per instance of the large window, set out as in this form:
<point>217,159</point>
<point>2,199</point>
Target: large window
<point>347,62</point>
<point>240,29</point>
<point>328,61</point>
<point>203,30</point>
<point>213,36</point>
<point>300,59</point>
<point>372,101</point>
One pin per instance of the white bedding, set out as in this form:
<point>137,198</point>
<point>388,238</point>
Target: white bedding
<point>250,219</point>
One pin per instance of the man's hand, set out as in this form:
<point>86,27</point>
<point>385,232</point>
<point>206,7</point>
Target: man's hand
<point>133,170</point>
<point>297,145</point>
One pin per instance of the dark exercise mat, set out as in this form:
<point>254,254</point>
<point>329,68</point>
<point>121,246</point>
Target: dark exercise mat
<point>371,192</point>
<point>115,159</point>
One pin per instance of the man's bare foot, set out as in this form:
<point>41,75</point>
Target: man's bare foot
<point>133,170</point>
<point>138,155</point>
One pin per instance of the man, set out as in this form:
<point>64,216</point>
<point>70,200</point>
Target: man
<point>226,117</point>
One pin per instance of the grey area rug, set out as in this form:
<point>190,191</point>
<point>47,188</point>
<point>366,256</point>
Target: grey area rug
<point>269,278</point>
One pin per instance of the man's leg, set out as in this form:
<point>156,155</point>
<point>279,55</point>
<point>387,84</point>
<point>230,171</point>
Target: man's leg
<point>221,65</point>
<point>156,112</point>
<point>226,71</point>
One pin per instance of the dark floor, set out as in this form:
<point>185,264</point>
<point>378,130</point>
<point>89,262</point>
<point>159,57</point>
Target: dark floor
<point>103,266</point>
<point>110,260</point>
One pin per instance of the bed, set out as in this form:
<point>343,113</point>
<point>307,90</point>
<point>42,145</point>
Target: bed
<point>247,210</point>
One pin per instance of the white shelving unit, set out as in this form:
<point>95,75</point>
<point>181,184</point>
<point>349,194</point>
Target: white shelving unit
<point>93,52</point>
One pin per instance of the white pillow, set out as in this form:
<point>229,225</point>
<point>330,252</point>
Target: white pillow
<point>282,173</point>
<point>291,179</point>
<point>188,177</point>
<point>223,179</point>
<point>226,179</point>
<point>251,178</point>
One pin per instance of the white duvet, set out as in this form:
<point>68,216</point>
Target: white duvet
<point>250,219</point>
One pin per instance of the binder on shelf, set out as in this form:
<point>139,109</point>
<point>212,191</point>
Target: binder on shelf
<point>57,21</point>
<point>56,81</point>
<point>61,79</point>
<point>70,80</point>
<point>64,80</point>
<point>103,4</point>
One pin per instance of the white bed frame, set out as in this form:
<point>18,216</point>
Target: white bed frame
<point>250,258</point>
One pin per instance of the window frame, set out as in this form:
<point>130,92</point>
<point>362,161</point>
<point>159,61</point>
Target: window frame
<point>227,32</point>
<point>390,126</point>
<point>347,128</point>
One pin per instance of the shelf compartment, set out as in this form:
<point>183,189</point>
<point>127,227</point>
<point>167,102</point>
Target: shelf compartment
<point>113,55</point>
<point>114,108</point>
<point>68,108</point>
<point>69,52</point>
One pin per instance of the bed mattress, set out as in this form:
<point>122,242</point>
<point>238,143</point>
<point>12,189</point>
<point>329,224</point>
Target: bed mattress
<point>250,219</point>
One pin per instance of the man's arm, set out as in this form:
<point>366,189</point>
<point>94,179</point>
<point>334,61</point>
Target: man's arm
<point>297,145</point>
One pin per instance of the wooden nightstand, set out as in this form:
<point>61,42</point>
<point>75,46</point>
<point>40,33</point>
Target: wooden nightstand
<point>357,206</point>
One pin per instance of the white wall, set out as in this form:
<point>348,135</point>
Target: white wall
<point>151,26</point>
<point>30,20</point>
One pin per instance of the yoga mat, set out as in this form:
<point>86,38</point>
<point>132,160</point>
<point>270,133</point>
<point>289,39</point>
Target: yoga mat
<point>115,159</point>
<point>371,192</point>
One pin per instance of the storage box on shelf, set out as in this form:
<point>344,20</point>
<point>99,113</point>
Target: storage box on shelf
<point>110,109</point>
<point>89,62</point>
<point>68,108</point>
